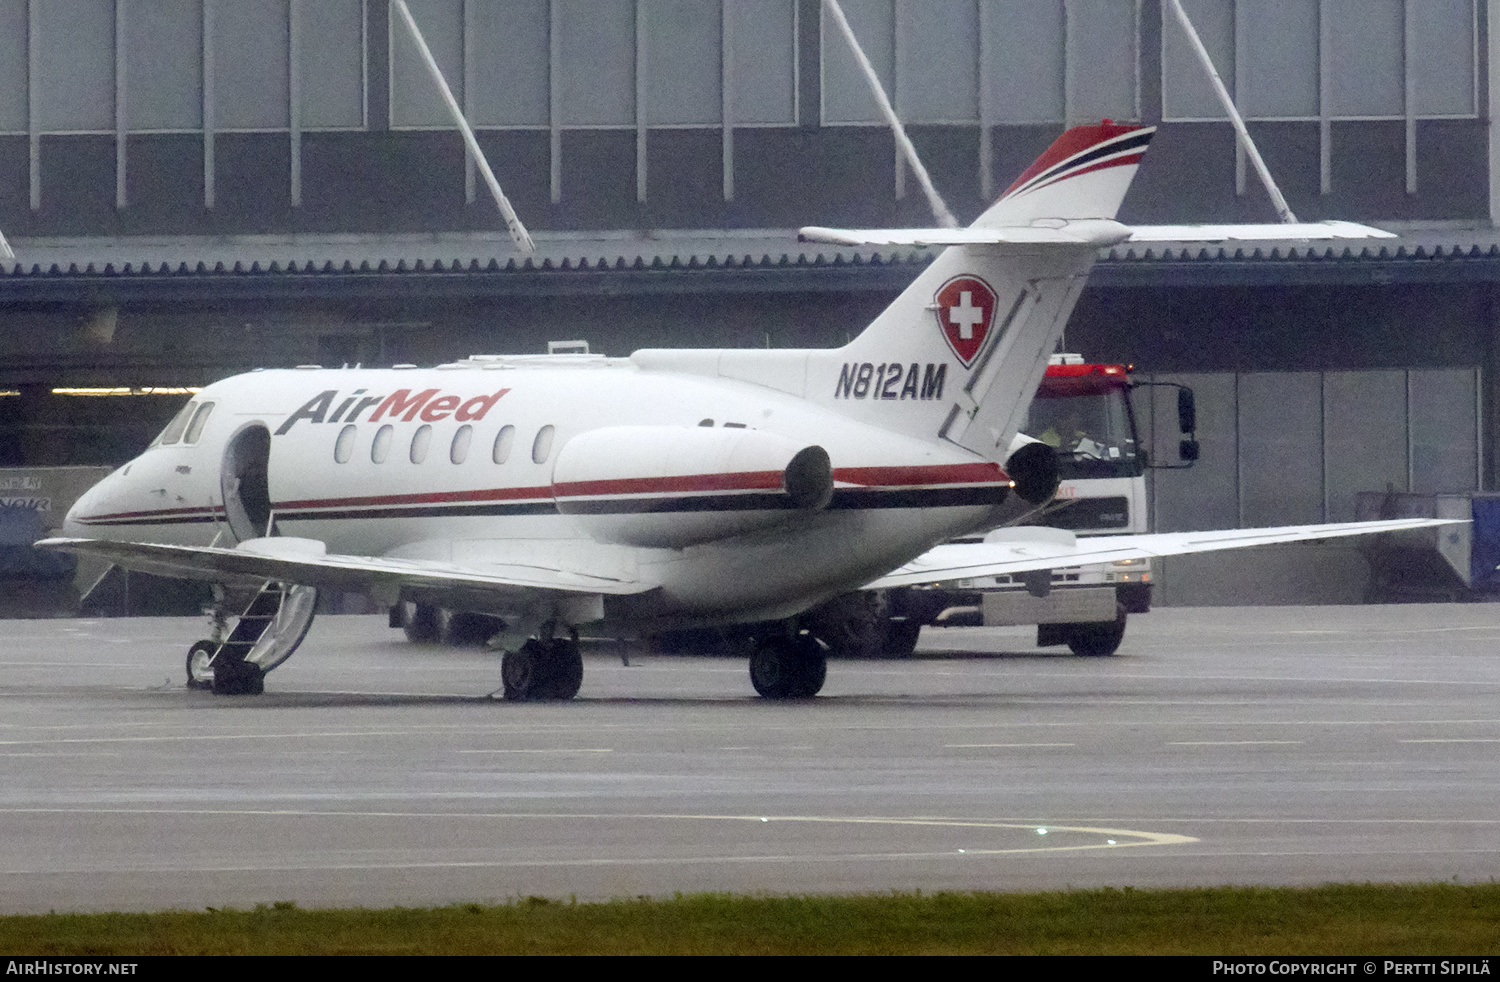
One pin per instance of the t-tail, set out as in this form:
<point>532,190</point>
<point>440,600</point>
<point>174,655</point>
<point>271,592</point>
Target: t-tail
<point>961,351</point>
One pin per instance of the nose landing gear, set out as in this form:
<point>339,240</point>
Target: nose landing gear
<point>540,670</point>
<point>270,629</point>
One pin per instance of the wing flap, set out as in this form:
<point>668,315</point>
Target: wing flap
<point>968,560</point>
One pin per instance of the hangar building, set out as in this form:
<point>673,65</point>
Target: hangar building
<point>200,187</point>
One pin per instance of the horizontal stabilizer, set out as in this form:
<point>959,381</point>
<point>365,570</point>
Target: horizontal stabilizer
<point>1094,232</point>
<point>1028,552</point>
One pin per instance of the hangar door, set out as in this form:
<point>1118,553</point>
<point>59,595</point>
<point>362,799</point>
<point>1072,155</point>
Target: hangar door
<point>1292,448</point>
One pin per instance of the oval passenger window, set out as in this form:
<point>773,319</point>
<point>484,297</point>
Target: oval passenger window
<point>343,447</point>
<point>503,442</point>
<point>542,446</point>
<point>459,452</point>
<point>380,448</point>
<point>419,443</point>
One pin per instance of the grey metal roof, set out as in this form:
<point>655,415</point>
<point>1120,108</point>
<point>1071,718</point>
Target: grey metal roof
<point>53,268</point>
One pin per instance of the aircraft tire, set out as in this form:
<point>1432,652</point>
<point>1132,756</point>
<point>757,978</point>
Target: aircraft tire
<point>564,670</point>
<point>200,670</point>
<point>782,668</point>
<point>420,622</point>
<point>1100,639</point>
<point>461,629</point>
<point>521,672</point>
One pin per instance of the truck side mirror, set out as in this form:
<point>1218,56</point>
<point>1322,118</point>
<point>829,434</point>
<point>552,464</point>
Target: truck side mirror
<point>1187,415</point>
<point>1188,450</point>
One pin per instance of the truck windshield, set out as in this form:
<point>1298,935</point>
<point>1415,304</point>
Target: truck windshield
<point>1092,431</point>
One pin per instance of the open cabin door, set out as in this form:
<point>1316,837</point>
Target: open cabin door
<point>244,480</point>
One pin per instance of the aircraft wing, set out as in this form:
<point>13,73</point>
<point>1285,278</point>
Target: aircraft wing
<point>1019,550</point>
<point>306,562</point>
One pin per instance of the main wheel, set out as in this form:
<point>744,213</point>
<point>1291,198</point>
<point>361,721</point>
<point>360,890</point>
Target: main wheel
<point>1098,639</point>
<point>521,672</point>
<point>420,622</point>
<point>784,668</point>
<point>200,669</point>
<point>564,670</point>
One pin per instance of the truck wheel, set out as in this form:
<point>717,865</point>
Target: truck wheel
<point>1100,638</point>
<point>901,637</point>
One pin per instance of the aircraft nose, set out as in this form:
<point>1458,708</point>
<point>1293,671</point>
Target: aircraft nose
<point>91,503</point>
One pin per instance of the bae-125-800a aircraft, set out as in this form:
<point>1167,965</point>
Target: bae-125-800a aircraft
<point>670,489</point>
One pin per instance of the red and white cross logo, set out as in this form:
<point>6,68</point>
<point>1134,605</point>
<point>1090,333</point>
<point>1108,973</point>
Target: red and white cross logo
<point>965,308</point>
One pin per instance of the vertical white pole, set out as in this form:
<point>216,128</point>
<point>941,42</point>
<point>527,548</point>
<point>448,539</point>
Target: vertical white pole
<point>554,98</point>
<point>939,208</point>
<point>517,231</point>
<point>208,103</point>
<point>1282,209</point>
<point>726,96</point>
<point>294,95</point>
<point>120,106</point>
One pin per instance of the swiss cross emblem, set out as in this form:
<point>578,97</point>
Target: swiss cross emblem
<point>965,311</point>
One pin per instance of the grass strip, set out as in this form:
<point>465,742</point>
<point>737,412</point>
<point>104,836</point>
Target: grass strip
<point>1435,919</point>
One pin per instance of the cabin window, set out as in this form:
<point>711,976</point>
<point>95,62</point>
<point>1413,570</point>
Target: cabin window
<point>343,447</point>
<point>459,452</point>
<point>503,442</point>
<point>174,429</point>
<point>541,447</point>
<point>380,448</point>
<point>420,441</point>
<point>195,428</point>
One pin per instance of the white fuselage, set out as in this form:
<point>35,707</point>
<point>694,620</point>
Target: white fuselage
<point>464,464</point>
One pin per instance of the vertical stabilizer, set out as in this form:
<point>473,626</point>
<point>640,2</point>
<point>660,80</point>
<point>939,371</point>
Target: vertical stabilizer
<point>960,353</point>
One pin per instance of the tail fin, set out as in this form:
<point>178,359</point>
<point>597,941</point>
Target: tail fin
<point>960,353</point>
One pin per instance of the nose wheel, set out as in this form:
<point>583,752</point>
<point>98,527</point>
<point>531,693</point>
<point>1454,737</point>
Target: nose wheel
<point>200,667</point>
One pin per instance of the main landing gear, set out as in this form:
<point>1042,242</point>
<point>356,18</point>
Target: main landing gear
<point>792,667</point>
<point>542,671</point>
<point>272,626</point>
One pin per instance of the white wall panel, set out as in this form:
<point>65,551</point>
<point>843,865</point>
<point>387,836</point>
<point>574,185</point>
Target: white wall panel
<point>1444,438</point>
<point>13,61</point>
<point>164,59</point>
<point>333,64</point>
<point>598,62</point>
<point>1102,37</point>
<point>684,70</point>
<point>1364,441</point>
<point>937,72</point>
<point>509,74</point>
<point>1442,57</point>
<point>1023,60</point>
<point>76,78</point>
<point>250,64</point>
<point>763,35</point>
<point>1366,59</point>
<point>1278,58</point>
<point>1281,448</point>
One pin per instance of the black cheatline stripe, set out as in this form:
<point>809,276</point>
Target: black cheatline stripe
<point>173,520</point>
<point>421,511</point>
<point>1106,150</point>
<point>854,499</point>
<point>843,499</point>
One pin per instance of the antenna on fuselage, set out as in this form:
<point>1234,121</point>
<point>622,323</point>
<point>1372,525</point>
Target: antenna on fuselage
<point>908,150</point>
<point>517,230</point>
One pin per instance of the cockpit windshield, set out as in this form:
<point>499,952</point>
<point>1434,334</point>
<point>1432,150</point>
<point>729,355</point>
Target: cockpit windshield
<point>174,429</point>
<point>1093,432</point>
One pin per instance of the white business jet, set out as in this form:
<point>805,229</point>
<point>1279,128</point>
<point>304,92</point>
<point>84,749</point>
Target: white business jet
<point>670,489</point>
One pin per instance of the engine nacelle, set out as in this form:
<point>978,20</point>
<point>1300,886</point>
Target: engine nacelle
<point>674,486</point>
